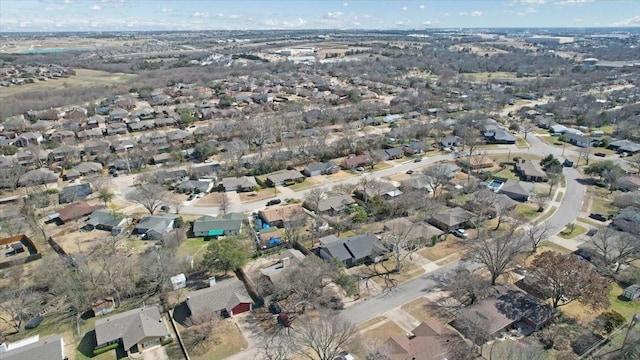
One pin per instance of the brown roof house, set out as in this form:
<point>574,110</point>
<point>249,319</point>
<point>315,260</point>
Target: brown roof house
<point>509,308</point>
<point>333,205</point>
<point>278,215</point>
<point>452,219</point>
<point>75,211</point>
<point>420,232</point>
<point>354,161</point>
<point>429,341</point>
<point>530,170</point>
<point>136,330</point>
<point>226,298</point>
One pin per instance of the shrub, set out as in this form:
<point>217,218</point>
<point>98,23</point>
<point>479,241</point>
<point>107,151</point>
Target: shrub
<point>166,341</point>
<point>104,349</point>
<point>610,320</point>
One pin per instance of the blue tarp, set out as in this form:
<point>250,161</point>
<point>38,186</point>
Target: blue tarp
<point>275,241</point>
<point>265,226</point>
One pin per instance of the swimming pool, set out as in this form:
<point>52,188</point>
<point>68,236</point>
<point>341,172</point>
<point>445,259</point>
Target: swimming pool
<point>495,184</point>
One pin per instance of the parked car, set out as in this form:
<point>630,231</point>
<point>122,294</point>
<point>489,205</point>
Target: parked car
<point>191,197</point>
<point>461,233</point>
<point>417,160</point>
<point>568,162</point>
<point>409,172</point>
<point>592,232</point>
<point>359,168</point>
<point>273,202</point>
<point>624,154</point>
<point>600,154</point>
<point>598,216</point>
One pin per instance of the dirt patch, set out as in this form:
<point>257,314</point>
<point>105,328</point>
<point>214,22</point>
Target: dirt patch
<point>442,249</point>
<point>211,199</point>
<point>226,341</point>
<point>257,196</point>
<point>382,331</point>
<point>419,308</point>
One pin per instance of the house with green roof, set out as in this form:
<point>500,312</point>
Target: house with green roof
<point>209,226</point>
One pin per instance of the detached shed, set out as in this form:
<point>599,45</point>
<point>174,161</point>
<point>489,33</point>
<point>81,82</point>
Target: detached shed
<point>632,292</point>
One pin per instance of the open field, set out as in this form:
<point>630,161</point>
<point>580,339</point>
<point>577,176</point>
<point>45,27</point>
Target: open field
<point>83,78</point>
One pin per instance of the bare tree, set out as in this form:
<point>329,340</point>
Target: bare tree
<point>402,242</point>
<point>224,203</point>
<point>304,282</point>
<point>464,286</point>
<point>567,278</point>
<point>276,345</point>
<point>541,199</point>
<point>199,331</point>
<point>17,305</point>
<point>526,127</point>
<point>313,199</point>
<point>439,174</point>
<point>496,253</point>
<point>536,234</point>
<point>323,337</point>
<point>614,247</point>
<point>293,225</point>
<point>150,195</point>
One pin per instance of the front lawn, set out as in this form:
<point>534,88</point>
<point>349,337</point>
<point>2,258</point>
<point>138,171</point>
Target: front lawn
<point>522,143</point>
<point>546,215</point>
<point>602,206</point>
<point>227,340</point>
<point>527,211</point>
<point>571,232</point>
<point>624,307</point>
<point>298,186</point>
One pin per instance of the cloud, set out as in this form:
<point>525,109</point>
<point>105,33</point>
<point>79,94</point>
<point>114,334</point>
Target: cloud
<point>634,21</point>
<point>446,14</point>
<point>404,8</point>
<point>427,23</point>
<point>333,15</point>
<point>421,7</point>
<point>529,10</point>
<point>475,13</point>
<point>345,4</point>
<point>578,20</point>
<point>96,7</point>
<point>528,2</point>
<point>165,10</point>
<point>200,14</point>
<point>571,2</point>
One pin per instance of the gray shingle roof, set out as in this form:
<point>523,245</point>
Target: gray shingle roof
<point>49,348</point>
<point>131,326</point>
<point>230,222</point>
<point>224,295</point>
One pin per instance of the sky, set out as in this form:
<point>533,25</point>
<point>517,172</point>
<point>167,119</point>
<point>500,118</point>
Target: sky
<point>131,15</point>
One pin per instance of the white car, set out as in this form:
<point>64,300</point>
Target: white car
<point>460,233</point>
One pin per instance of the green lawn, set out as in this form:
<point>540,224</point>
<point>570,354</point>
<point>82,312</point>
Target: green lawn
<point>526,211</point>
<point>298,186</point>
<point>547,215</point>
<point>378,166</point>
<point>589,221</point>
<point>626,308</point>
<point>603,206</point>
<point>522,143</point>
<point>192,247</point>
<point>521,155</point>
<point>507,173</point>
<point>577,231</point>
<point>559,197</point>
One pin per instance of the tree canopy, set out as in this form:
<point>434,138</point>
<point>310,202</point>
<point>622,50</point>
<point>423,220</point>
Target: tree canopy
<point>226,254</point>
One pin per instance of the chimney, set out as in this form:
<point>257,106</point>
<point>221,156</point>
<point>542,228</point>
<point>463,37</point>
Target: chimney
<point>286,261</point>
<point>212,281</point>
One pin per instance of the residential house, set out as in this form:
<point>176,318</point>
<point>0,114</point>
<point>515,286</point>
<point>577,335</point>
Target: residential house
<point>143,125</point>
<point>627,146</point>
<point>27,139</point>
<point>16,124</point>
<point>389,154</point>
<point>74,211</point>
<point>240,184</point>
<point>96,147</point>
<point>415,148</point>
<point>208,226</point>
<point>516,190</point>
<point>39,176</point>
<point>422,233</point>
<point>32,156</point>
<point>83,169</point>
<point>371,121</point>
<point>177,136</point>
<point>278,215</point>
<point>123,145</point>
<point>508,309</point>
<point>106,220</point>
<point>419,182</point>
<point>557,129</point>
<point>103,306</point>
<point>500,204</point>
<point>324,168</point>
<point>428,341</point>
<point>352,251</point>
<point>353,161</point>
<point>136,330</point>
<point>166,121</point>
<point>632,292</point>
<point>226,298</point>
<point>628,219</point>
<point>282,177</point>
<point>581,140</point>
<point>628,183</point>
<point>379,188</point>
<point>154,227</point>
<point>116,128</point>
<point>392,118</point>
<point>451,141</point>
<point>530,170</point>
<point>162,158</point>
<point>34,348</point>
<point>269,236</point>
<point>452,218</point>
<point>287,259</point>
<point>155,139</point>
<point>63,136</point>
<point>208,171</point>
<point>64,153</point>
<point>476,162</point>
<point>441,170</point>
<point>499,136</point>
<point>118,115</point>
<point>143,114</point>
<point>333,205</point>
<point>195,186</point>
<point>71,193</point>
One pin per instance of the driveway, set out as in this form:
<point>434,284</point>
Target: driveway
<point>156,353</point>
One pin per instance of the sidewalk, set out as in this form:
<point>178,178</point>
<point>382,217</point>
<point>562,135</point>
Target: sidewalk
<point>402,319</point>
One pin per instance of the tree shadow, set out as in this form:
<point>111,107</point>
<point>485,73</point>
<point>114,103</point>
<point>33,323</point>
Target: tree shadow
<point>181,313</point>
<point>87,344</point>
